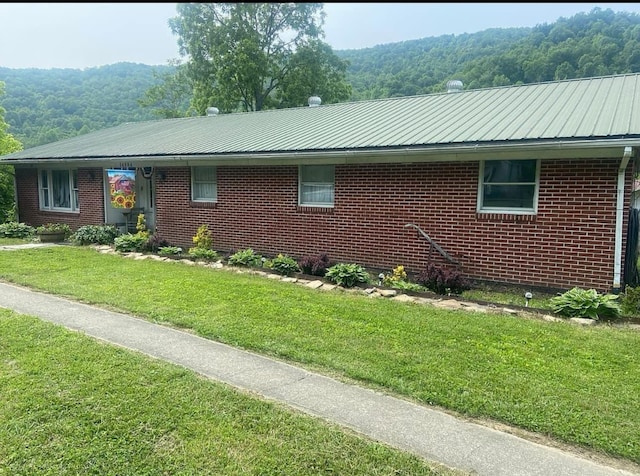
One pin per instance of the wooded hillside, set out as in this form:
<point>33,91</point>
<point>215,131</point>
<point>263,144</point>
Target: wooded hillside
<point>47,105</point>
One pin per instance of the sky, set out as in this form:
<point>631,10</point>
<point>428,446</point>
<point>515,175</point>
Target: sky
<point>86,35</point>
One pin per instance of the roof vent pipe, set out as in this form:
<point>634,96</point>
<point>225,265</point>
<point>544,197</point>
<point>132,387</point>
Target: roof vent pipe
<point>212,111</point>
<point>314,101</point>
<point>454,86</point>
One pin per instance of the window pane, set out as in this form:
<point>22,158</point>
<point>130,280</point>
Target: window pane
<point>321,193</point>
<point>61,191</point>
<point>204,191</point>
<point>509,196</point>
<point>204,184</point>
<point>204,174</point>
<point>317,184</point>
<point>510,171</point>
<point>317,173</point>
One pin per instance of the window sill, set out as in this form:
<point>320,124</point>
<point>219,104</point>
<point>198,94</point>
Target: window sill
<point>193,204</point>
<point>314,209</point>
<point>506,217</point>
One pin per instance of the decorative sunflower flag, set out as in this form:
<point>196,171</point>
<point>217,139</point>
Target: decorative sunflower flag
<point>122,188</point>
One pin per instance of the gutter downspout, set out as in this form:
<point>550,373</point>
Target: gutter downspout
<point>617,260</point>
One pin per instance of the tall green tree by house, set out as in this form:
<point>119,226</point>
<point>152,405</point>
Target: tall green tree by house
<point>8,144</point>
<point>254,56</point>
<point>171,96</point>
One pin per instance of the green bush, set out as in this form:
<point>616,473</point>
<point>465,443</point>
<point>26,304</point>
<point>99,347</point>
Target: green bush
<point>95,234</point>
<point>203,253</point>
<point>347,274</point>
<point>14,229</point>
<point>284,265</point>
<point>169,251</point>
<point>131,242</point>
<point>586,303</point>
<point>245,258</point>
<point>630,303</point>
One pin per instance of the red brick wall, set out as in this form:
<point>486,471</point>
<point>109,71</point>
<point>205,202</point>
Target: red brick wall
<point>90,198</point>
<point>570,242</point>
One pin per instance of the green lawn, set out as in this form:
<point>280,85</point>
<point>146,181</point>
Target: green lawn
<point>73,406</point>
<point>576,384</point>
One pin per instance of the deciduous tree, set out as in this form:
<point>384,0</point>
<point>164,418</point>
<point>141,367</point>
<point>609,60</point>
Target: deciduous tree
<point>254,56</point>
<point>8,144</point>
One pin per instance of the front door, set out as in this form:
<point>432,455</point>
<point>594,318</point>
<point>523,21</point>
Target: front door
<point>122,208</point>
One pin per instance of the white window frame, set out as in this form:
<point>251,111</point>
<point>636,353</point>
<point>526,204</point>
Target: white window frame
<point>195,181</point>
<point>329,186</point>
<point>508,210</point>
<point>46,193</point>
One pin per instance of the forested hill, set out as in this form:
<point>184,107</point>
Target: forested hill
<point>46,105</point>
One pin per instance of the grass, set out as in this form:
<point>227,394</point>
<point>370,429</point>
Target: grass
<point>578,385</point>
<point>72,405</point>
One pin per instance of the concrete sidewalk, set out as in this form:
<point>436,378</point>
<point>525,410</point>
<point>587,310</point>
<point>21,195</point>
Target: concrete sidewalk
<point>433,435</point>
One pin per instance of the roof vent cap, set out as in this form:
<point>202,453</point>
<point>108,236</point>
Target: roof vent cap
<point>212,111</point>
<point>454,86</point>
<point>314,101</point>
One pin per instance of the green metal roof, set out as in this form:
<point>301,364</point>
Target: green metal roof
<point>604,108</point>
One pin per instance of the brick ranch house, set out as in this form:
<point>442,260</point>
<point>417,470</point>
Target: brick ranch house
<point>529,185</point>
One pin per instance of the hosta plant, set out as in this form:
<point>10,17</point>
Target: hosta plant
<point>586,303</point>
<point>347,274</point>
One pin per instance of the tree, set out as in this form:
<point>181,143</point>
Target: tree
<point>8,144</point>
<point>253,56</point>
<point>169,98</point>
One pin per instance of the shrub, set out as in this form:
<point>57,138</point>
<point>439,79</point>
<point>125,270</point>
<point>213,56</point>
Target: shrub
<point>443,281</point>
<point>398,274</point>
<point>245,257</point>
<point>14,229</point>
<point>347,274</point>
<point>203,253</point>
<point>203,238</point>
<point>586,303</point>
<point>131,242</point>
<point>95,234</point>
<point>315,265</point>
<point>169,251</point>
<point>631,301</point>
<point>155,242</point>
<point>284,265</point>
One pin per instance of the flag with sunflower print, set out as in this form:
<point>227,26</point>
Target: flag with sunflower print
<point>122,188</point>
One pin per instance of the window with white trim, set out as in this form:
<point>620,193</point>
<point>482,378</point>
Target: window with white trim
<point>317,185</point>
<point>204,184</point>
<point>509,186</point>
<point>58,189</point>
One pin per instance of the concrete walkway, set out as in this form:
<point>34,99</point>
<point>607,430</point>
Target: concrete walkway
<point>433,435</point>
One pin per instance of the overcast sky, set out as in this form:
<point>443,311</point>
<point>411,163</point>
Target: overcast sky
<point>83,35</point>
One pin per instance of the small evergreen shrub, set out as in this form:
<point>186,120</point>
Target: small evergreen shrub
<point>586,303</point>
<point>315,265</point>
<point>283,264</point>
<point>347,274</point>
<point>630,303</point>
<point>245,257</point>
<point>14,229</point>
<point>95,234</point>
<point>203,238</point>
<point>443,281</point>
